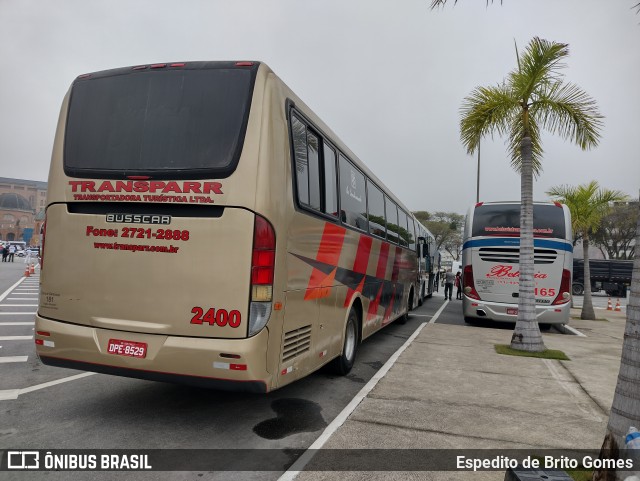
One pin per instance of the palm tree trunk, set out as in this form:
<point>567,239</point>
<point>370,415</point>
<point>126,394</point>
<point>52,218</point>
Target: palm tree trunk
<point>526,335</point>
<point>625,409</point>
<point>587,302</point>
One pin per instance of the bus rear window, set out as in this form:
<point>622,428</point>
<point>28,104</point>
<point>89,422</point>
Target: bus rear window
<point>504,220</point>
<point>179,123</point>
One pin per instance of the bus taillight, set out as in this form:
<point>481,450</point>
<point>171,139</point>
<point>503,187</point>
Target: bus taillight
<point>469,287</point>
<point>565,288</point>
<point>262,271</point>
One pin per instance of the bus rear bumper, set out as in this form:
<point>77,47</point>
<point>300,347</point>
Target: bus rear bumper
<point>500,312</point>
<point>198,362</point>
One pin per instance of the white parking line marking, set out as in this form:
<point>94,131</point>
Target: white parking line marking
<point>18,305</point>
<point>9,394</point>
<point>15,338</point>
<point>17,323</point>
<point>16,313</point>
<point>6,293</point>
<point>340,419</point>
<point>433,320</point>
<point>22,298</point>
<point>8,359</point>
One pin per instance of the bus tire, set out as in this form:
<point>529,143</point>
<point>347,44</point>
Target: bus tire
<point>577,289</point>
<point>471,320</point>
<point>342,364</point>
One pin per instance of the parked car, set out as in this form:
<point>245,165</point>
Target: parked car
<point>34,251</point>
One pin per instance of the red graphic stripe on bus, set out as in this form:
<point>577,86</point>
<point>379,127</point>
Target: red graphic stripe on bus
<point>360,265</point>
<point>381,270</point>
<point>328,253</point>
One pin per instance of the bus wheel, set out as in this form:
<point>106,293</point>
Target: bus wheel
<point>343,363</point>
<point>577,289</point>
<point>471,320</point>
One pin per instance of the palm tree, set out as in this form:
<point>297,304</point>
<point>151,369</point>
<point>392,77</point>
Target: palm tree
<point>532,98</point>
<point>588,204</point>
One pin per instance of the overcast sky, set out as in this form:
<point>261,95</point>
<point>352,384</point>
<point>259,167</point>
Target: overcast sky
<point>387,76</point>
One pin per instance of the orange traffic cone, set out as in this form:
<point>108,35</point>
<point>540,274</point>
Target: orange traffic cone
<point>26,271</point>
<point>609,306</point>
<point>32,269</point>
<point>617,306</point>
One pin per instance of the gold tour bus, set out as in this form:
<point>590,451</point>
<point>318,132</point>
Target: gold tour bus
<point>204,226</point>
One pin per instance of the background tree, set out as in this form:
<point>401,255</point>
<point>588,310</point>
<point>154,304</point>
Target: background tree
<point>616,235</point>
<point>446,229</point>
<point>588,204</point>
<point>532,98</point>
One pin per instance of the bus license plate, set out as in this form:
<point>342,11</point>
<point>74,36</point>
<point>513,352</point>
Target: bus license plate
<point>127,348</point>
<point>512,311</point>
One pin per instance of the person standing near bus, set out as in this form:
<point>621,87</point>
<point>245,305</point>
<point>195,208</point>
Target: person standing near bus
<point>458,284</point>
<point>12,251</point>
<point>449,278</point>
<point>4,252</point>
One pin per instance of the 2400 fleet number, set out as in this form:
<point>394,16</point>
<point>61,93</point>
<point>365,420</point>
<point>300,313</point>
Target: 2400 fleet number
<point>216,317</point>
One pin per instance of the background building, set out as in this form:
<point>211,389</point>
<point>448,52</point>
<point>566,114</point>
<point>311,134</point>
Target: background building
<point>22,204</point>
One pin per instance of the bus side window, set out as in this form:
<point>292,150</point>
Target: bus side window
<point>299,131</point>
<point>330,182</point>
<point>392,221</point>
<point>375,200</point>
<point>353,200</point>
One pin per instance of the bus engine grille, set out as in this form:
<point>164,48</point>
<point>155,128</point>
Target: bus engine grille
<point>510,255</point>
<point>296,342</point>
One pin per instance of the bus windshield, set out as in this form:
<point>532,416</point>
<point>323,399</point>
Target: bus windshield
<point>504,220</point>
<point>162,122</point>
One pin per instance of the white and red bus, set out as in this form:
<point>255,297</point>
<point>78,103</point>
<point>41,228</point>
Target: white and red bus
<point>204,226</point>
<point>490,259</point>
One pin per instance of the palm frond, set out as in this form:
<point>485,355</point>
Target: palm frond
<point>487,110</point>
<point>540,63</point>
<point>442,3</point>
<point>568,111</point>
<point>588,203</point>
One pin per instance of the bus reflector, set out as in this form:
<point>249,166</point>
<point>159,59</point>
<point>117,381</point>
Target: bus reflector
<point>564,295</point>
<point>467,281</point>
<point>263,260</point>
<point>244,64</point>
<point>232,367</point>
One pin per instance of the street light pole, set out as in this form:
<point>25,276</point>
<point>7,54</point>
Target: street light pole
<point>478,177</point>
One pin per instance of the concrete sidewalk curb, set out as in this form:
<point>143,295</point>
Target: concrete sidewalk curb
<point>449,389</point>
